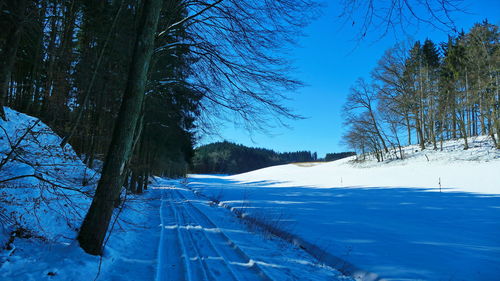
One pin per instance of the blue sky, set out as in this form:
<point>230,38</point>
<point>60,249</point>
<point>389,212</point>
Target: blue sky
<point>328,60</point>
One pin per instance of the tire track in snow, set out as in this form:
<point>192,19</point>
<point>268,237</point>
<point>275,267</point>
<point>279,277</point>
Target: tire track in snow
<point>197,244</point>
<point>191,251</point>
<point>161,244</point>
<point>236,260</point>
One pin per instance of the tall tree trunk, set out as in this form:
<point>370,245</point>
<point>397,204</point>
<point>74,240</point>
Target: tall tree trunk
<point>140,183</point>
<point>377,131</point>
<point>133,182</point>
<point>496,117</point>
<point>146,180</point>
<point>8,55</point>
<point>420,133</point>
<point>495,127</point>
<point>408,127</point>
<point>463,128</point>
<point>50,53</point>
<point>96,222</point>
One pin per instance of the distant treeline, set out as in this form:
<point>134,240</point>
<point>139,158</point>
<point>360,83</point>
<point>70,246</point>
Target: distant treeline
<point>337,156</point>
<point>230,158</point>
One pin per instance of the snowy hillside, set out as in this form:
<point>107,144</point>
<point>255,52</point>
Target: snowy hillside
<point>44,193</point>
<point>44,189</point>
<point>475,170</point>
<point>433,216</point>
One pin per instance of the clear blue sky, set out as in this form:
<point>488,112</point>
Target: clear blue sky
<point>329,61</point>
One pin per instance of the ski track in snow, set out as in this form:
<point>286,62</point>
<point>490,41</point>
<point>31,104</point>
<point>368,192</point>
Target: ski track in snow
<point>202,250</point>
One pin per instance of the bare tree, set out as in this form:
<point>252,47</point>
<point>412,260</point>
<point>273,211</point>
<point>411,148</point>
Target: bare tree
<point>237,66</point>
<point>389,76</point>
<point>238,49</point>
<point>383,17</point>
<point>363,98</point>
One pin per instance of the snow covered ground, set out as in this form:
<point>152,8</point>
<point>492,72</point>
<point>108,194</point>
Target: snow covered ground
<point>44,189</point>
<point>168,233</point>
<point>433,216</point>
<point>369,220</point>
<point>203,242</point>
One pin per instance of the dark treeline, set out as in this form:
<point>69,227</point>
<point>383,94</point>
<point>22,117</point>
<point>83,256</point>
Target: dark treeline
<point>230,158</point>
<point>428,93</point>
<point>337,156</point>
<point>71,71</point>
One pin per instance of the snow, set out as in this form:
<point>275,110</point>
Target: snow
<point>475,170</point>
<point>212,244</point>
<point>39,160</point>
<point>432,216</point>
<point>390,219</point>
<point>168,233</point>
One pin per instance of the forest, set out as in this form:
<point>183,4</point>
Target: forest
<point>66,62</point>
<point>230,158</point>
<point>427,93</point>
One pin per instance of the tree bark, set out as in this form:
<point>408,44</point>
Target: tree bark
<point>408,127</point>
<point>96,222</point>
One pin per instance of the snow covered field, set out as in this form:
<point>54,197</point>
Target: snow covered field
<point>387,218</point>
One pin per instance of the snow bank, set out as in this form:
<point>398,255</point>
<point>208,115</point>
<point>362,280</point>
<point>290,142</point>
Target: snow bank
<point>44,188</point>
<point>46,205</point>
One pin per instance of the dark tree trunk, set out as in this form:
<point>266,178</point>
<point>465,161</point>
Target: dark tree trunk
<point>146,180</point>
<point>408,128</point>
<point>8,55</point>
<point>86,97</point>
<point>133,183</point>
<point>50,53</point>
<point>140,184</point>
<point>96,222</point>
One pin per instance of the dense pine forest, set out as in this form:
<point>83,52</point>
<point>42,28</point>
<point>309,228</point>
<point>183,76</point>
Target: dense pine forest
<point>66,62</point>
<point>427,93</point>
<point>230,158</point>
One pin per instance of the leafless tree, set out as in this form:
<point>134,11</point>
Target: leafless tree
<point>239,50</point>
<point>383,17</point>
<point>360,107</point>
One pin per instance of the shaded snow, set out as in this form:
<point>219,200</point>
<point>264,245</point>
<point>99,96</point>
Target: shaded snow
<point>51,212</point>
<point>51,216</point>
